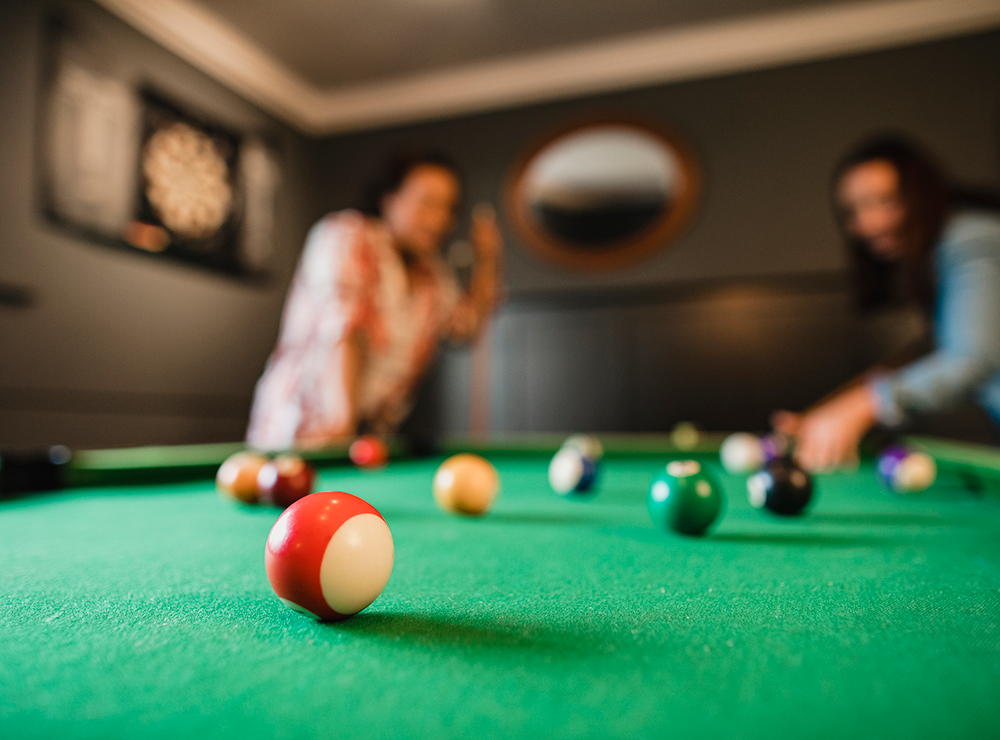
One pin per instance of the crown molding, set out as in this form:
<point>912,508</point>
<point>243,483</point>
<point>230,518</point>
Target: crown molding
<point>673,55</point>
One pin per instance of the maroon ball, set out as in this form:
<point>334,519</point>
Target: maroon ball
<point>285,479</point>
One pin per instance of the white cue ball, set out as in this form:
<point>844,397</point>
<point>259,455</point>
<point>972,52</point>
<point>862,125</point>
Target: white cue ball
<point>742,453</point>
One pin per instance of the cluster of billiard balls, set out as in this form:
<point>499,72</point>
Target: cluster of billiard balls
<point>330,554</point>
<point>253,478</point>
<point>686,498</point>
<point>776,482</point>
<point>903,470</point>
<point>899,468</point>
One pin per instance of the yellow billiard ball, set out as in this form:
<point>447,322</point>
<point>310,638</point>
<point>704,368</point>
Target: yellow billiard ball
<point>466,484</point>
<point>685,436</point>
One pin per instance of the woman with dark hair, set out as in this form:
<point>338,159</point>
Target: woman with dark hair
<point>370,300</point>
<point>911,238</point>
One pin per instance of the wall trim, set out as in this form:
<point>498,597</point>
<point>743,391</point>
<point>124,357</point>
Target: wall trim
<point>673,55</point>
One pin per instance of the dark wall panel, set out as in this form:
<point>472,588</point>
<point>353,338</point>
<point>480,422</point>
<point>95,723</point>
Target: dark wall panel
<point>724,360</point>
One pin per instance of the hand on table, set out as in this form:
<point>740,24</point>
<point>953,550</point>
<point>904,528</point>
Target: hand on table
<point>827,437</point>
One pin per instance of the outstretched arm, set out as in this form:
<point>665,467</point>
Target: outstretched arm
<point>968,351</point>
<point>851,401</point>
<point>967,355</point>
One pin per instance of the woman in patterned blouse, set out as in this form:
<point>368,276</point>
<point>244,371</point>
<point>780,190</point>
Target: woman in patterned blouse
<point>370,300</point>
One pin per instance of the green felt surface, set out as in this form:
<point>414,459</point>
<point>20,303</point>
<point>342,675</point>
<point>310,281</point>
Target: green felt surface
<point>145,612</point>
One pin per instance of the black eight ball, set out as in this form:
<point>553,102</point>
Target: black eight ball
<point>782,487</point>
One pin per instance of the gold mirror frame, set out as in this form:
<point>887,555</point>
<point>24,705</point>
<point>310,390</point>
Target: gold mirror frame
<point>612,254</point>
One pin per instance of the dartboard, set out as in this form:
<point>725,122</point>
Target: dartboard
<point>187,181</point>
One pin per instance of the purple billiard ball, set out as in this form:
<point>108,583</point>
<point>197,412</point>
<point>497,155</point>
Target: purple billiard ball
<point>888,462</point>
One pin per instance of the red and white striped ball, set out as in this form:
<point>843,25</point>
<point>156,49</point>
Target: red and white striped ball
<point>329,555</point>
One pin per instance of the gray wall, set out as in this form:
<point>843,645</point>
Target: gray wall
<point>119,348</point>
<point>749,310</point>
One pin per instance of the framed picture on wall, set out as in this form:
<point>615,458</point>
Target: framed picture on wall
<point>130,167</point>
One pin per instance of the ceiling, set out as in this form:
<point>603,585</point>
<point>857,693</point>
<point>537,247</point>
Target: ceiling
<point>328,66</point>
<point>338,42</point>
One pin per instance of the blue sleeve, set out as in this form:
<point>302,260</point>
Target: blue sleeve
<point>967,331</point>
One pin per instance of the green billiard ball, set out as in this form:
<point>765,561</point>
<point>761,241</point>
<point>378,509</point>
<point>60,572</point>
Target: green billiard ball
<point>684,498</point>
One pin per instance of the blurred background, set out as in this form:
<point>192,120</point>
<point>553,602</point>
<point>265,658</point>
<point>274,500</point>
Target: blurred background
<point>142,280</point>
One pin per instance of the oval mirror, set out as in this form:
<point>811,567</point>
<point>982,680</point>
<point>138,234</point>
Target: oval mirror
<point>603,194</point>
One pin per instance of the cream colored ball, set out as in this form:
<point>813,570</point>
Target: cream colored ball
<point>466,484</point>
<point>237,476</point>
<point>916,472</point>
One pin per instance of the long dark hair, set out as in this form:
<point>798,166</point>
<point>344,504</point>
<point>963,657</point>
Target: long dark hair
<point>925,195</point>
<point>395,170</point>
<point>928,200</point>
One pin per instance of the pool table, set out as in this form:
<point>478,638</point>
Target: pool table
<point>134,604</point>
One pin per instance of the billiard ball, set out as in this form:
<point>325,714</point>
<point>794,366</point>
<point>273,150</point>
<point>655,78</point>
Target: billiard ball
<point>572,472</point>
<point>466,484</point>
<point>587,444</point>
<point>905,471</point>
<point>887,462</point>
<point>237,476</point>
<point>368,451</point>
<point>742,453</point>
<point>329,555</point>
<point>284,480</point>
<point>916,473</point>
<point>684,498</point>
<point>781,487</point>
<point>685,436</point>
